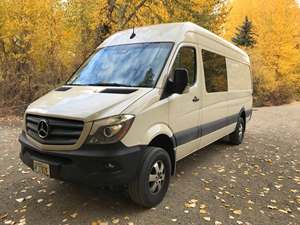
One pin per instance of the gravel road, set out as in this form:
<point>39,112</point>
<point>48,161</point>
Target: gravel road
<point>255,183</point>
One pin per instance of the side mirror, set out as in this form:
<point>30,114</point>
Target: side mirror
<point>180,81</point>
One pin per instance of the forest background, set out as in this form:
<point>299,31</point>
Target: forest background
<point>43,42</point>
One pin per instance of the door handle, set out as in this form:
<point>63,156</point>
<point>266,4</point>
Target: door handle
<point>196,99</point>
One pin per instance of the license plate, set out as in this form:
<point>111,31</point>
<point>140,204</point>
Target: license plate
<point>41,168</point>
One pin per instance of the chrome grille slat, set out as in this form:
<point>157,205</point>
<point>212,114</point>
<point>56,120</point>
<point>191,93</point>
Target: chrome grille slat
<point>32,119</point>
<point>32,126</point>
<point>61,131</point>
<point>60,123</point>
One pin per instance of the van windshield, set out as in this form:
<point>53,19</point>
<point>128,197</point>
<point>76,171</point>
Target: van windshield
<point>132,65</point>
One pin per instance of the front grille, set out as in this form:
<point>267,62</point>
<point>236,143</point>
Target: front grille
<point>60,131</point>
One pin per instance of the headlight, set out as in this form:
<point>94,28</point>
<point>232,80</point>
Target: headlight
<point>110,130</point>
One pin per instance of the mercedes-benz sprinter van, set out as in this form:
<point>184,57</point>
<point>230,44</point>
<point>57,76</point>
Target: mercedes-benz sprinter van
<point>143,101</point>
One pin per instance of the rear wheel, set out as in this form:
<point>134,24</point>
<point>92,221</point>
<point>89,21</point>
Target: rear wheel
<point>237,136</point>
<point>152,182</point>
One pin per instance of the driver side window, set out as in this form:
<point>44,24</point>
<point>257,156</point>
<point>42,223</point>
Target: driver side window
<point>186,59</point>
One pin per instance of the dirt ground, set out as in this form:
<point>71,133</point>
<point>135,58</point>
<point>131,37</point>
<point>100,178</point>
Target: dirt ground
<point>255,183</point>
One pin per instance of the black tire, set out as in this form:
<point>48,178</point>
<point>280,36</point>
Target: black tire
<point>140,189</point>
<point>237,137</point>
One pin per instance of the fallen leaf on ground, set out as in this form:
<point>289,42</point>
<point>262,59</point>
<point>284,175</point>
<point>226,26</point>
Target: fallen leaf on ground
<point>237,212</point>
<point>40,200</point>
<point>191,204</point>
<point>49,204</point>
<point>20,200</point>
<point>272,206</point>
<point>3,216</point>
<point>203,211</point>
<point>206,218</point>
<point>202,206</point>
<point>74,215</point>
<point>115,221</point>
<point>51,192</point>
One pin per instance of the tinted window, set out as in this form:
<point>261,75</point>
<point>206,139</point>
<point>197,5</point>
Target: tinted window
<point>134,65</point>
<point>186,59</point>
<point>215,72</point>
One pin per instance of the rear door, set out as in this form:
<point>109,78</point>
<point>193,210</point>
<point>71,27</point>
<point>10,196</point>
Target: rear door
<point>184,108</point>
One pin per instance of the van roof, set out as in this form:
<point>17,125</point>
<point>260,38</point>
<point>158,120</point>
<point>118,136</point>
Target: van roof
<point>177,33</point>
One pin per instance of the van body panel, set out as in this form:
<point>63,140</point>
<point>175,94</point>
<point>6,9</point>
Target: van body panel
<point>217,46</point>
<point>177,33</point>
<point>186,149</point>
<point>183,111</point>
<point>215,112</point>
<point>239,78</point>
<point>240,86</point>
<point>153,113</point>
<point>84,103</point>
<point>192,120</point>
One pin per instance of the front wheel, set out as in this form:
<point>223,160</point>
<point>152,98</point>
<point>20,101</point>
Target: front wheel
<point>152,182</point>
<point>237,136</point>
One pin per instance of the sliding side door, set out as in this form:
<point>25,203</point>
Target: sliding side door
<point>214,108</point>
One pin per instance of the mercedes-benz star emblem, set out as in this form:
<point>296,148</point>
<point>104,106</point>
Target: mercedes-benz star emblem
<point>43,129</point>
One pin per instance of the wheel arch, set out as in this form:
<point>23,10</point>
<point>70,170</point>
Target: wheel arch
<point>168,144</point>
<point>242,114</point>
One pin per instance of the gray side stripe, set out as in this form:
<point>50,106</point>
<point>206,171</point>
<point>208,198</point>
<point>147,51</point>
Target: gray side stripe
<point>185,136</point>
<point>191,134</point>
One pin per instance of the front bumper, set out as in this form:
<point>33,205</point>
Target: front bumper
<point>93,165</point>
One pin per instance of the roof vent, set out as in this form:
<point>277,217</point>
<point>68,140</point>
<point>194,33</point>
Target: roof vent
<point>118,91</point>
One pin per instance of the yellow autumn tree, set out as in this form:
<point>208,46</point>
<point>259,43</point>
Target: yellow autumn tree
<point>43,42</point>
<point>276,55</point>
<point>34,50</point>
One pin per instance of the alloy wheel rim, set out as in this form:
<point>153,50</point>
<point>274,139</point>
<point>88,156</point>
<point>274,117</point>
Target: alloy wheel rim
<point>241,130</point>
<point>157,177</point>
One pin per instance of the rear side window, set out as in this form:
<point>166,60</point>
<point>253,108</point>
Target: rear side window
<point>186,59</point>
<point>215,72</point>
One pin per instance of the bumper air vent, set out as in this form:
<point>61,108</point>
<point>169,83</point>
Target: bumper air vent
<point>62,88</point>
<point>118,91</point>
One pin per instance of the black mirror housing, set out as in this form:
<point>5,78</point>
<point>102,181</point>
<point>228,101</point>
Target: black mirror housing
<point>180,81</point>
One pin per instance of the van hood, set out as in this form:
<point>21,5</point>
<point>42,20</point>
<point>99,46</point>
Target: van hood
<point>86,103</point>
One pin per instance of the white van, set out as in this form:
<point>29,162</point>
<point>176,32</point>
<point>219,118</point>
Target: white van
<point>144,100</point>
